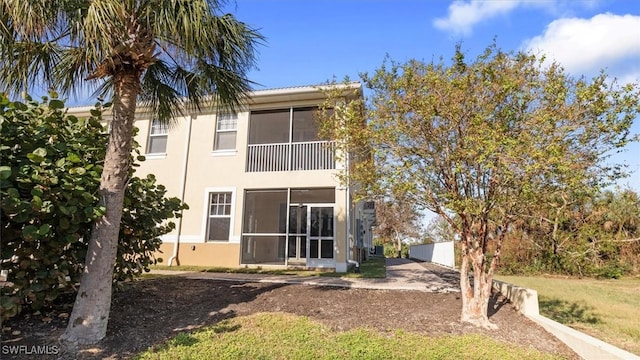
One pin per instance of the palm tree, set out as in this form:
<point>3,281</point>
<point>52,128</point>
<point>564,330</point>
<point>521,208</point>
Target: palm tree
<point>171,56</point>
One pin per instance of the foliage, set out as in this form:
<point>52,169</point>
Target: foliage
<point>171,56</point>
<point>479,142</point>
<point>146,209</point>
<point>391,250</point>
<point>605,309</point>
<point>596,235</point>
<point>438,230</point>
<point>51,165</point>
<point>285,336</point>
<point>174,49</point>
<point>397,220</point>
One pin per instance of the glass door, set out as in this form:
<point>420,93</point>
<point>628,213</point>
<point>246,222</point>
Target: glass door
<point>297,243</point>
<point>321,234</point>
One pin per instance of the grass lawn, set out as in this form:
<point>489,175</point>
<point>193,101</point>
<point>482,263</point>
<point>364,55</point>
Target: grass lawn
<point>372,268</point>
<point>606,309</point>
<point>285,336</point>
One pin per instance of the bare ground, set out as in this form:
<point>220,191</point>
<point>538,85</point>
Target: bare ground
<point>148,312</point>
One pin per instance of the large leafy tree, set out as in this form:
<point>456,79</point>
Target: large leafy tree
<point>478,142</point>
<point>169,55</point>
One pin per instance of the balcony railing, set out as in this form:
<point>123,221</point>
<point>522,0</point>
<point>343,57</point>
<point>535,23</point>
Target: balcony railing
<point>312,155</point>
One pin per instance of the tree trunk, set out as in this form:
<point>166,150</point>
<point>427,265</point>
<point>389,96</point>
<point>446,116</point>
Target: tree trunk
<point>475,300</point>
<point>90,315</point>
<point>398,244</point>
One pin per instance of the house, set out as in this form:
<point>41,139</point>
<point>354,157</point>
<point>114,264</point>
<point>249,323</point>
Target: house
<point>261,185</point>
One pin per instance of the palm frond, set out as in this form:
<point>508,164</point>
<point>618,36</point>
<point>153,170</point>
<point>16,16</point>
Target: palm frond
<point>71,70</point>
<point>26,62</point>
<point>158,96</point>
<point>219,50</point>
<point>188,55</point>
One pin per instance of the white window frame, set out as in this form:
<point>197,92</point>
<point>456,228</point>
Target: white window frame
<point>206,215</point>
<point>225,116</point>
<point>163,131</point>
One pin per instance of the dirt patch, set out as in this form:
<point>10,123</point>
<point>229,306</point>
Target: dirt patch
<point>148,312</point>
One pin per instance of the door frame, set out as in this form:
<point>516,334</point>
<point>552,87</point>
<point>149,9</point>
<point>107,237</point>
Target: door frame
<point>307,234</point>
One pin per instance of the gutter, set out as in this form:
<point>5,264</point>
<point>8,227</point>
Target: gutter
<point>183,186</point>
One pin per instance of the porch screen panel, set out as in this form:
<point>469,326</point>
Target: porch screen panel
<point>313,196</point>
<point>269,127</point>
<point>265,212</point>
<point>263,249</point>
<point>305,127</point>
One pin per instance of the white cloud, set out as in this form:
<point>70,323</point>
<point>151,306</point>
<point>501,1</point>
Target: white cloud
<point>587,45</point>
<point>464,15</point>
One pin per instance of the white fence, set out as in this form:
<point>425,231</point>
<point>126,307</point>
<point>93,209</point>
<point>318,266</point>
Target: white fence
<point>439,253</point>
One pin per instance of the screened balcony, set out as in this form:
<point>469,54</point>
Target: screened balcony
<point>287,140</point>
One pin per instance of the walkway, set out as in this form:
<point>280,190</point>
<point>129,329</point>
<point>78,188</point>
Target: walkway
<point>402,274</point>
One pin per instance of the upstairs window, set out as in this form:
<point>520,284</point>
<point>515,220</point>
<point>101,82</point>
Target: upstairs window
<point>226,130</point>
<point>158,135</point>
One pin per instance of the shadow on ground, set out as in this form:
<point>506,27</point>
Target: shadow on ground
<point>147,314</point>
<point>566,312</point>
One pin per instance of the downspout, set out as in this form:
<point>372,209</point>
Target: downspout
<point>183,186</point>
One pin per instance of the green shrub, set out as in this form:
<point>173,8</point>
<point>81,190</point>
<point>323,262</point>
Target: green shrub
<point>49,179</point>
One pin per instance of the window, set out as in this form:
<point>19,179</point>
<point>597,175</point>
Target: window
<point>158,138</point>
<point>226,129</point>
<point>219,216</point>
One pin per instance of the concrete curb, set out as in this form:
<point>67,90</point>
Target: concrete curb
<point>584,345</point>
<point>589,348</point>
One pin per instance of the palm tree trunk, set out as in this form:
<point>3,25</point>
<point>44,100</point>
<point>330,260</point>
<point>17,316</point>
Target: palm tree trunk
<point>90,315</point>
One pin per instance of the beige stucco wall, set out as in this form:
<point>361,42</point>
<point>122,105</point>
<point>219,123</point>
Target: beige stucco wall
<point>208,254</point>
<point>208,171</point>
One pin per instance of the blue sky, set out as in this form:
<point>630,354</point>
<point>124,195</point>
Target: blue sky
<point>310,42</point>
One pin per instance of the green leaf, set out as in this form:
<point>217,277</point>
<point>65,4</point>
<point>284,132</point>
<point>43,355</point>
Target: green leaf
<point>64,223</point>
<point>56,104</point>
<point>44,229</point>
<point>30,232</point>
<point>40,152</point>
<point>21,217</point>
<point>35,158</point>
<point>73,157</point>
<point>36,203</point>
<point>5,172</point>
<point>63,209</point>
<point>80,170</point>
